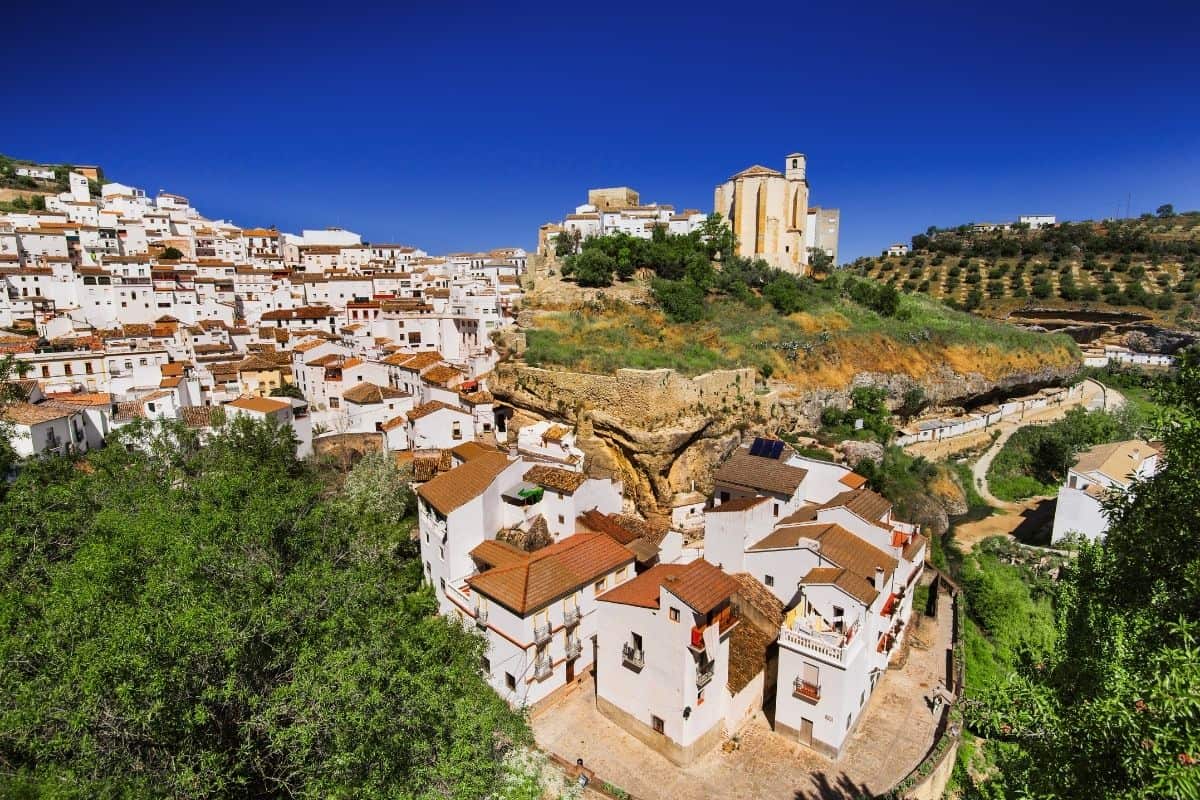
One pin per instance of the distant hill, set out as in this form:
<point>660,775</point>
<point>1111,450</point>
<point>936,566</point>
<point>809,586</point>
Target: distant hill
<point>1150,264</point>
<point>26,192</point>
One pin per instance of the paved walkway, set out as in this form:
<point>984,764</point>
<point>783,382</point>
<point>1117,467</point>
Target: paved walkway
<point>894,734</point>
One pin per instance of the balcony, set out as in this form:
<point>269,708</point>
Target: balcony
<point>696,643</point>
<point>704,676</point>
<point>542,669</point>
<point>541,633</point>
<point>571,617</point>
<point>633,657</point>
<point>830,647</point>
<point>574,648</point>
<point>805,690</point>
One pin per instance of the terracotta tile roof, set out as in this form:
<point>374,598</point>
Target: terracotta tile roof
<point>1117,460</point>
<point>477,398</point>
<point>857,586</point>
<point>747,654</point>
<point>469,450</point>
<point>262,405</point>
<point>852,479</point>
<point>863,502</point>
<point>464,483</point>
<point>562,480</point>
<point>256,364</point>
<point>441,375</point>
<point>699,584</point>
<point>394,422</point>
<point>197,416</point>
<point>418,362</point>
<point>545,575</point>
<point>30,414</point>
<point>425,409</point>
<point>83,398</point>
<point>495,553</point>
<point>304,312</point>
<point>365,393</point>
<point>759,474</point>
<point>914,547</point>
<point>834,543</point>
<point>737,504</point>
<point>173,369</point>
<point>752,592</point>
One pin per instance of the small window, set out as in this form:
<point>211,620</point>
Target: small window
<point>656,723</point>
<point>510,681</point>
<point>769,580</point>
<point>442,583</point>
<point>560,519</point>
<point>601,585</point>
<point>724,497</point>
<point>777,509</point>
<point>674,615</point>
<point>621,574</point>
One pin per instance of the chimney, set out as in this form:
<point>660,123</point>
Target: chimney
<point>879,579</point>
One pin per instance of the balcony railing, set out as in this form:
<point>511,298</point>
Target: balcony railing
<point>704,676</point>
<point>571,616</point>
<point>832,651</point>
<point>541,633</point>
<point>542,669</point>
<point>633,657</point>
<point>806,690</point>
<point>574,648</point>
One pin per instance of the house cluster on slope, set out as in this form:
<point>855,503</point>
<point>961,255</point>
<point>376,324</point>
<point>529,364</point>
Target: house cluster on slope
<point>124,306</point>
<point>798,602</point>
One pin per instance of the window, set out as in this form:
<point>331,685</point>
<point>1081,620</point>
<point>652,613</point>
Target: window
<point>620,575</point>
<point>67,368</point>
<point>45,371</point>
<point>442,583</point>
<point>87,367</point>
<point>334,402</point>
<point>656,723</point>
<point>510,681</point>
<point>724,497</point>
<point>674,615</point>
<point>601,585</point>
<point>769,580</point>
<point>487,665</point>
<point>456,431</point>
<point>777,509</point>
<point>560,519</point>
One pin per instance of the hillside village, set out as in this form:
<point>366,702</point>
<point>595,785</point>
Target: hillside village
<point>781,602</point>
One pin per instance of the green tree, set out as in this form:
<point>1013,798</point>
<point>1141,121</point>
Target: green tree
<point>566,243</point>
<point>1165,210</point>
<point>192,621</point>
<point>288,390</point>
<point>593,267</point>
<point>171,254</point>
<point>1112,711</point>
<point>820,262</point>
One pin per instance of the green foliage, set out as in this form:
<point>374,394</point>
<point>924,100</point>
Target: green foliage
<point>207,621</point>
<point>171,254</point>
<point>592,267</point>
<point>1035,459</point>
<point>682,301</point>
<point>1112,712</point>
<point>899,477</point>
<point>288,390</point>
<point>566,244</point>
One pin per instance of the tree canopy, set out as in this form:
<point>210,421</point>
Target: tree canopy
<point>1114,710</point>
<point>179,620</point>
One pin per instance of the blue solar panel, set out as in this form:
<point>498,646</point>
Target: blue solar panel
<point>776,449</point>
<point>766,448</point>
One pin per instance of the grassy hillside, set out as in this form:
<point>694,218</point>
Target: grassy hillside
<point>823,344</point>
<point>1149,265</point>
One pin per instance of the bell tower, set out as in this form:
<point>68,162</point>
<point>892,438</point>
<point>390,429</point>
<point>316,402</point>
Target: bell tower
<point>795,168</point>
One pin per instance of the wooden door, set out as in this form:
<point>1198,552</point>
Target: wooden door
<point>806,730</point>
<point>570,670</point>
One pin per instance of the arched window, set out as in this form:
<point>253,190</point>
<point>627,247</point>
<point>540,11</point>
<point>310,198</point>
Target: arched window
<point>795,163</point>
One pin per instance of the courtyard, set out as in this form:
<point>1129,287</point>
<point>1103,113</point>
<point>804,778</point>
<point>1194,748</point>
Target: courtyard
<point>893,735</point>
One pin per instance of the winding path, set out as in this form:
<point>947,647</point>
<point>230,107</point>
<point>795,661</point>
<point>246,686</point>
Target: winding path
<point>1108,398</point>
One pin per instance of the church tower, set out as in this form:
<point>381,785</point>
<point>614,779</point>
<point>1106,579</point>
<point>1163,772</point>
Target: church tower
<point>794,170</point>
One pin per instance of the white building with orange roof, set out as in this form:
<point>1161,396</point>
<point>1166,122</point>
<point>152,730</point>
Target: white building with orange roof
<point>1099,472</point>
<point>283,411</point>
<point>662,660</point>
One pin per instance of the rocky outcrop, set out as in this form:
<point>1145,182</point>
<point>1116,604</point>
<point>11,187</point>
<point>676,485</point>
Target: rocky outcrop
<point>659,431</point>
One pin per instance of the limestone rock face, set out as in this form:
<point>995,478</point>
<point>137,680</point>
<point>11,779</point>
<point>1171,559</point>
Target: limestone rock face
<point>661,432</point>
<point>855,451</point>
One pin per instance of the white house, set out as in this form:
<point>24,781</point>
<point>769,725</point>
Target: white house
<point>663,658</point>
<point>550,441</point>
<point>293,414</point>
<point>538,610</point>
<point>45,428</point>
<point>1097,472</point>
<point>897,249</point>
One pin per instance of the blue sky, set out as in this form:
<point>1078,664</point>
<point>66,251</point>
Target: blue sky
<point>463,126</point>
